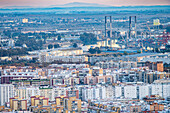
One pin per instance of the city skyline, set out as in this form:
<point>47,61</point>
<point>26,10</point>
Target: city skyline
<point>82,56</point>
<point>46,3</point>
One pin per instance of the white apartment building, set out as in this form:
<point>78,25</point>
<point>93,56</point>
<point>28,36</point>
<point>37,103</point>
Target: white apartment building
<point>130,91</point>
<point>32,91</point>
<point>118,91</point>
<point>46,58</point>
<point>94,92</point>
<point>59,91</point>
<point>166,90</point>
<point>90,93</point>
<point>26,93</point>
<point>110,91</point>
<point>156,89</point>
<point>143,91</point>
<point>160,57</point>
<point>47,93</point>
<point>59,55</point>
<point>6,92</point>
<point>71,66</point>
<point>162,90</point>
<point>126,91</point>
<point>24,71</point>
<point>115,64</point>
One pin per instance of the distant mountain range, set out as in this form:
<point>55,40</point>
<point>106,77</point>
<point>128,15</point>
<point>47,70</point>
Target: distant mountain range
<point>81,4</point>
<point>72,4</point>
<point>76,4</point>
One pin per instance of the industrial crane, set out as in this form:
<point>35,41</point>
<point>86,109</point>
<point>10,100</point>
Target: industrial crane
<point>149,30</point>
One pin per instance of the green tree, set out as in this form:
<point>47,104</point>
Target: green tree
<point>92,51</point>
<point>59,37</point>
<point>98,50</point>
<point>88,38</point>
<point>75,45</point>
<point>31,42</point>
<point>138,51</point>
<point>168,29</point>
<point>125,53</point>
<point>12,52</point>
<point>95,50</point>
<point>56,46</point>
<point>50,46</point>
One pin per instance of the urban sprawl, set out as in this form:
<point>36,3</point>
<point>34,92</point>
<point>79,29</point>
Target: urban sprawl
<point>85,62</point>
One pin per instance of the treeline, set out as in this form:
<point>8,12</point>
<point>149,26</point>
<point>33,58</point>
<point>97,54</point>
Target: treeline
<point>21,63</point>
<point>40,35</point>
<point>88,38</point>
<point>95,50</point>
<point>12,52</point>
<point>168,29</point>
<point>31,43</point>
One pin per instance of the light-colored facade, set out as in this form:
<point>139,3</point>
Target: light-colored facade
<point>130,91</point>
<point>6,92</point>
<point>62,55</point>
<point>117,65</point>
<point>47,93</point>
<point>96,92</point>
<point>27,92</point>
<point>143,91</point>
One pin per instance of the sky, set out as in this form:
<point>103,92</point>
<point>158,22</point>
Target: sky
<point>44,3</point>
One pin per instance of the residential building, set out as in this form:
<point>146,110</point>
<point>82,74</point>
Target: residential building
<point>6,92</point>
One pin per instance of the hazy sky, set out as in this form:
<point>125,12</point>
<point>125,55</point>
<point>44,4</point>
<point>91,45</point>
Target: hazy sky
<point>59,2</point>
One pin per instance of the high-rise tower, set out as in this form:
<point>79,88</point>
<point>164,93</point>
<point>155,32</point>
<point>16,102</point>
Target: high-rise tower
<point>131,28</point>
<point>108,26</point>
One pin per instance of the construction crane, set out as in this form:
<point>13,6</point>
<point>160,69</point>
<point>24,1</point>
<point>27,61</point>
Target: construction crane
<point>149,30</point>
